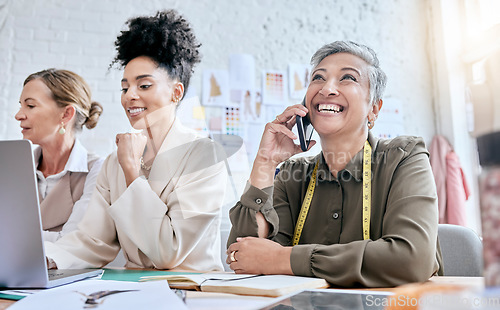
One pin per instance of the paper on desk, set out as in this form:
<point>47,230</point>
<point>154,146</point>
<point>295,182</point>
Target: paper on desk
<point>102,295</point>
<point>18,294</point>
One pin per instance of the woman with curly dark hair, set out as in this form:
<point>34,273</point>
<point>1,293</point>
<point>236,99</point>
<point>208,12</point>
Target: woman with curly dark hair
<point>159,195</point>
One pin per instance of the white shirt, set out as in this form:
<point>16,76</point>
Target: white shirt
<point>77,162</point>
<point>169,221</point>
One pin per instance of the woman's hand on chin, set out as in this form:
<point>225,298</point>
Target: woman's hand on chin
<point>259,256</point>
<point>130,149</point>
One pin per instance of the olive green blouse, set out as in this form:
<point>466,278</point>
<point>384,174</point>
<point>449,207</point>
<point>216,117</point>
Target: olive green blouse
<point>403,243</point>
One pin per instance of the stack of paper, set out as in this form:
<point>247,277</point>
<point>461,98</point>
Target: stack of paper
<point>102,295</point>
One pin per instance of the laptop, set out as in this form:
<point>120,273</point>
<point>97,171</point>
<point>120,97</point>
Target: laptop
<point>22,256</point>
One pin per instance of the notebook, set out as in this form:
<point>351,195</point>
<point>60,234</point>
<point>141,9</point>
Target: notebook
<point>22,259</point>
<point>242,284</point>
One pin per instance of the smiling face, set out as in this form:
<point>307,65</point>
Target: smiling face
<point>39,114</point>
<point>147,93</point>
<point>338,97</point>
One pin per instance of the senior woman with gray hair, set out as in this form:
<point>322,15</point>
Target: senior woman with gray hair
<point>325,216</point>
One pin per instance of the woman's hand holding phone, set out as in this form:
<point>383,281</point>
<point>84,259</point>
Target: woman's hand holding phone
<point>277,145</point>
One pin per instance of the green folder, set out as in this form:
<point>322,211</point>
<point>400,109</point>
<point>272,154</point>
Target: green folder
<point>134,275</point>
<point>11,297</point>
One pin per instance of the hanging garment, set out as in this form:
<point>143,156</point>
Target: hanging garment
<point>452,188</point>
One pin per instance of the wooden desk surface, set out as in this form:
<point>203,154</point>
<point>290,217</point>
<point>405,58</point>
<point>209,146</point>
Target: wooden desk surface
<point>469,282</point>
<point>4,303</point>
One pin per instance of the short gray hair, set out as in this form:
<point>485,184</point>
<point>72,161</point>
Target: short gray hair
<point>377,77</point>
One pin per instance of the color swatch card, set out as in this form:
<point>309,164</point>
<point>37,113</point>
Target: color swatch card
<point>232,121</point>
<point>274,87</point>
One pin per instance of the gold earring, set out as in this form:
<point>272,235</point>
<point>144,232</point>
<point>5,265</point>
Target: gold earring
<point>62,130</point>
<point>370,123</point>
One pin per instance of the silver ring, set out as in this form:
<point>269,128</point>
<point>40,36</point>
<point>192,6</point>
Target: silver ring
<point>231,257</point>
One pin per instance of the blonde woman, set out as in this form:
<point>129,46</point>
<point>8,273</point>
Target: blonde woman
<point>55,105</point>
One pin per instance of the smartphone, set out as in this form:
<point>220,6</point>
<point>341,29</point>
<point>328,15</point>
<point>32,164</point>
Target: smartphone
<point>305,129</point>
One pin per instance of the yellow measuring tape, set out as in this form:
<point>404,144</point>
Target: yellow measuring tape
<point>367,189</point>
<point>305,206</point>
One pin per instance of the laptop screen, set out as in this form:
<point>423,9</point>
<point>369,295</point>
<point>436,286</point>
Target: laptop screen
<point>23,259</point>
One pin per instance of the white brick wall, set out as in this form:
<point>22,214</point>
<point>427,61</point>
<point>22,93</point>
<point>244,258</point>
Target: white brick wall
<point>79,35</point>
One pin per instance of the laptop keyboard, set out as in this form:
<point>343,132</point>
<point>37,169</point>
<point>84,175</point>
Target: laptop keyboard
<point>55,274</point>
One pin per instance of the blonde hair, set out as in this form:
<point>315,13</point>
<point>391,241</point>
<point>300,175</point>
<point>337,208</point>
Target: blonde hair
<point>68,88</point>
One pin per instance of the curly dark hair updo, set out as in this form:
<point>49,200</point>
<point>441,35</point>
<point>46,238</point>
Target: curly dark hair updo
<point>167,38</point>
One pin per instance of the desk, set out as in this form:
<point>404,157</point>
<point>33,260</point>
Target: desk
<point>467,282</point>
<point>212,301</point>
<point>4,303</point>
<point>204,300</point>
